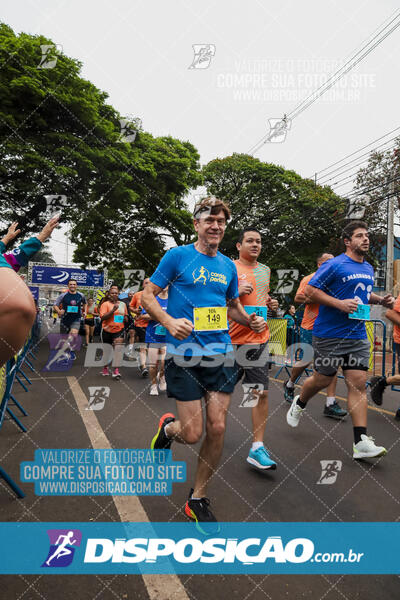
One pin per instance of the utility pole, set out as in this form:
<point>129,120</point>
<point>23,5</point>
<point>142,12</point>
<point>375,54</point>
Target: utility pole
<point>66,249</point>
<point>390,239</point>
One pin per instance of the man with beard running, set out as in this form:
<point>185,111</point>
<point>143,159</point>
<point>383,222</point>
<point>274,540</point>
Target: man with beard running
<point>332,407</point>
<point>342,287</point>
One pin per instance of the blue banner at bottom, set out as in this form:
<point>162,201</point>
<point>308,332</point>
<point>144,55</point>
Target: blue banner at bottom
<point>238,548</point>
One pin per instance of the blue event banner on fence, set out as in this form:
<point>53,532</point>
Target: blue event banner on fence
<point>238,548</point>
<point>60,275</point>
<point>89,472</point>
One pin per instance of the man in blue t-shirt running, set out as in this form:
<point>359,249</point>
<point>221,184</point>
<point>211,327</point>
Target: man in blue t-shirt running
<point>200,361</point>
<point>70,306</point>
<point>343,288</point>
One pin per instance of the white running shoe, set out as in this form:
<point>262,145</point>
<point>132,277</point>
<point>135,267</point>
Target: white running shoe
<point>130,353</point>
<point>366,448</point>
<point>154,390</point>
<point>294,413</point>
<point>162,384</point>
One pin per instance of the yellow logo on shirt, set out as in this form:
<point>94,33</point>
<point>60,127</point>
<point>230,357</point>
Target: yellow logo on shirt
<point>201,275</point>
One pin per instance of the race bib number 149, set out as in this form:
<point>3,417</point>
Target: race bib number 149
<point>210,318</point>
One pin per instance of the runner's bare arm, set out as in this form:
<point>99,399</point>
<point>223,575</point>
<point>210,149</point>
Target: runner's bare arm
<point>179,328</point>
<point>59,310</point>
<point>245,288</point>
<point>11,233</point>
<point>393,316</point>
<point>319,297</point>
<point>272,303</point>
<point>110,313</point>
<point>146,317</point>
<point>48,229</point>
<point>301,298</point>
<point>387,300</point>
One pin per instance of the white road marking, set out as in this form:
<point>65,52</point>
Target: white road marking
<point>159,587</point>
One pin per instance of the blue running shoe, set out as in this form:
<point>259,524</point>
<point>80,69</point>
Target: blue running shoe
<point>335,411</point>
<point>260,459</point>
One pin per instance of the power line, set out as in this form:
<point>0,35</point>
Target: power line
<point>355,170</point>
<point>366,191</point>
<point>350,64</point>
<point>359,150</point>
<point>342,169</point>
<point>338,75</point>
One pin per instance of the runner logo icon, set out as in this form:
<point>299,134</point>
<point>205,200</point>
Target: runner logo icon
<point>203,54</point>
<point>63,543</point>
<point>330,470</point>
<point>251,392</point>
<point>98,396</point>
<point>201,275</point>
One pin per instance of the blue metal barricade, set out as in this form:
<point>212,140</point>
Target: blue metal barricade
<point>286,356</point>
<point>8,374</point>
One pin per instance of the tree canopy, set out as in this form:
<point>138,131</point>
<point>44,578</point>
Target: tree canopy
<point>124,188</point>
<point>374,184</point>
<point>124,194</point>
<point>297,219</point>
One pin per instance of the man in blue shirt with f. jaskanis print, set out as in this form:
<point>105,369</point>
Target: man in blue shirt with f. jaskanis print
<point>342,287</point>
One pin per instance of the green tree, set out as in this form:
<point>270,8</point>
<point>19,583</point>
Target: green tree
<point>137,235</point>
<point>374,184</point>
<point>44,255</point>
<point>61,137</point>
<point>297,219</point>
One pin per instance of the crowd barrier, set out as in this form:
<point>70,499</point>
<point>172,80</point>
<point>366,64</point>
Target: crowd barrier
<point>285,350</point>
<point>10,373</point>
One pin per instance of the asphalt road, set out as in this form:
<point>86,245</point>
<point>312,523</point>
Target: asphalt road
<point>363,491</point>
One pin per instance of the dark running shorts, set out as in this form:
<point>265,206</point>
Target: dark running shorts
<point>332,353</point>
<point>141,333</point>
<point>66,327</point>
<point>191,383</point>
<point>108,338</point>
<point>253,363</point>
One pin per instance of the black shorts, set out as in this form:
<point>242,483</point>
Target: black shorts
<point>252,362</point>
<point>141,333</point>
<point>89,322</point>
<point>108,338</point>
<point>191,383</point>
<point>66,327</point>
